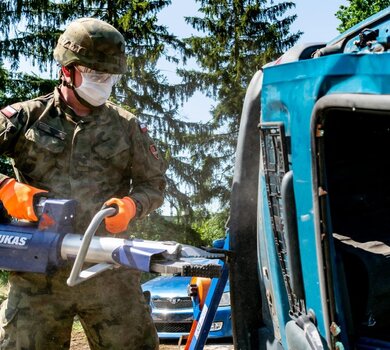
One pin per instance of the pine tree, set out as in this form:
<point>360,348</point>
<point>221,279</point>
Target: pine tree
<point>357,11</point>
<point>237,37</point>
<point>30,30</point>
<point>20,86</point>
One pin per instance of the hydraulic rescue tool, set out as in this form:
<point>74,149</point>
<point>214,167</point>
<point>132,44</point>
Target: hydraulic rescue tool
<point>43,246</point>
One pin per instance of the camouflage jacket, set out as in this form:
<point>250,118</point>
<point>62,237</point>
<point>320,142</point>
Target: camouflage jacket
<point>89,159</point>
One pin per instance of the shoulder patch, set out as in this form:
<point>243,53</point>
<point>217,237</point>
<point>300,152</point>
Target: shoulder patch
<point>143,127</point>
<point>9,111</point>
<point>153,150</point>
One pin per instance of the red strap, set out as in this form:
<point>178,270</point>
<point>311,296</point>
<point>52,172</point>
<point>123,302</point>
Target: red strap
<point>2,182</point>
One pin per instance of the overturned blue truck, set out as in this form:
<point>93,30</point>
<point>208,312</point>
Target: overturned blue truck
<point>309,227</point>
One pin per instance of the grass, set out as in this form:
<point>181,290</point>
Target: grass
<point>77,327</point>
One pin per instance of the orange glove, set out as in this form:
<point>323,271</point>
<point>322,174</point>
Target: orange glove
<point>126,211</point>
<point>18,199</point>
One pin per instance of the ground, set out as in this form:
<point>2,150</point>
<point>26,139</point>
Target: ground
<point>79,342</point>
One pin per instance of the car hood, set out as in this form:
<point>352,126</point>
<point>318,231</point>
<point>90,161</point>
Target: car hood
<point>167,286</point>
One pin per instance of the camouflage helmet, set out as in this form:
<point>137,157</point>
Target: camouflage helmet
<point>92,43</point>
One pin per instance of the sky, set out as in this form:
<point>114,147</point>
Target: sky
<point>316,18</point>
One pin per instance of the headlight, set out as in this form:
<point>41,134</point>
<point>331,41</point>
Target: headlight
<point>225,299</point>
<point>216,326</point>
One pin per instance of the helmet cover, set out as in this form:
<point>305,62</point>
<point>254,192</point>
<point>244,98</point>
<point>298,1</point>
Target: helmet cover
<point>92,43</point>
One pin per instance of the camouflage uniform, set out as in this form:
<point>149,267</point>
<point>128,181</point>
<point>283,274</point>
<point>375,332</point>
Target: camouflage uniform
<point>91,159</point>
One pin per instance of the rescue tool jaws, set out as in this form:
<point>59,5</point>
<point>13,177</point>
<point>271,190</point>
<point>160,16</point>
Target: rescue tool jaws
<point>43,247</point>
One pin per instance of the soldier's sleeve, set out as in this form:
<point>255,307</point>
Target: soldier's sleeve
<point>147,171</point>
<point>11,122</point>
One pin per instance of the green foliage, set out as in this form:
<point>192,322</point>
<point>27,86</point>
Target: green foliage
<point>19,87</point>
<point>237,37</point>
<point>357,11</point>
<point>202,228</point>
<point>5,166</point>
<point>3,81</point>
<point>3,283</point>
<point>159,228</point>
<point>16,87</point>
<point>4,277</point>
<point>210,226</point>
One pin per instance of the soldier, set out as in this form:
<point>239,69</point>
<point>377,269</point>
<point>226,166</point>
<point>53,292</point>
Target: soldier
<point>73,143</point>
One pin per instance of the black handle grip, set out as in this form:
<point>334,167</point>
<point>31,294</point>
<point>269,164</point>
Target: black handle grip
<point>111,206</point>
<point>207,271</point>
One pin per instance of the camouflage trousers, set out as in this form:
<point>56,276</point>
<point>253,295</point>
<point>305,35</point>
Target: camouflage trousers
<point>40,309</point>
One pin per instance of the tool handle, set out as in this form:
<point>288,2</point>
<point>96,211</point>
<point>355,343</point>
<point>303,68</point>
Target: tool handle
<point>77,275</point>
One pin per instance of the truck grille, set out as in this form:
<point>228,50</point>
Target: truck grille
<point>173,327</point>
<point>172,303</point>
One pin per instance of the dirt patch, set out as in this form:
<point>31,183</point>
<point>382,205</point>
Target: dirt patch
<point>79,342</point>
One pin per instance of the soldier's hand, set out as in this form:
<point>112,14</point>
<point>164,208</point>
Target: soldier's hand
<point>126,210</point>
<point>18,199</point>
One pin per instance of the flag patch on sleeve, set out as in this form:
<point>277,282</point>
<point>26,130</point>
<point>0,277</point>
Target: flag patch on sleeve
<point>153,150</point>
<point>143,127</point>
<point>9,111</point>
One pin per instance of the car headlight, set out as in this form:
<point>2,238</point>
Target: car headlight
<point>225,299</point>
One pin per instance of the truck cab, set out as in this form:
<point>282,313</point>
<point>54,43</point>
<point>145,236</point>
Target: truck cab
<point>309,226</point>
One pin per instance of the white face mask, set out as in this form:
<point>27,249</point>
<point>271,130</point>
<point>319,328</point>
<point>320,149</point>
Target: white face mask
<point>95,87</point>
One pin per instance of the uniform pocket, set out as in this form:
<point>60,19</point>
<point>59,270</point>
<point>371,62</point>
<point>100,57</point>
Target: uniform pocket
<point>46,137</point>
<point>111,148</point>
<point>37,153</point>
<point>114,152</point>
